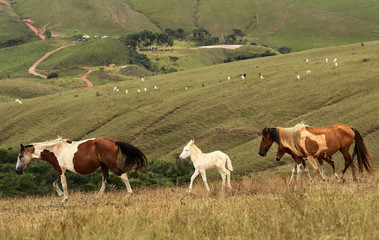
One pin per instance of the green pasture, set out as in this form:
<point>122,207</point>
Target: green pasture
<point>89,17</point>
<point>276,23</point>
<point>222,114</point>
<point>11,25</point>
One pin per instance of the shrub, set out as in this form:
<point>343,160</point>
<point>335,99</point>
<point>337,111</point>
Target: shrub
<point>284,50</point>
<point>52,75</point>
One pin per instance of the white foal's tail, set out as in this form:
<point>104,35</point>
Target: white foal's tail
<point>229,163</point>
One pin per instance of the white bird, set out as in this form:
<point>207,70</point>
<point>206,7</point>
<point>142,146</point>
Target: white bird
<point>142,79</point>
<point>229,78</point>
<point>309,72</point>
<point>18,100</point>
<point>114,89</point>
<point>262,77</point>
<point>186,88</point>
<point>335,60</point>
<point>243,77</point>
<point>307,60</point>
<point>326,60</point>
<point>336,64</point>
<point>126,91</point>
<point>298,77</point>
<point>155,87</point>
<point>117,90</point>
<point>145,89</point>
<point>139,91</point>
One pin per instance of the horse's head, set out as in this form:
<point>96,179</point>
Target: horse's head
<point>24,158</point>
<point>281,151</point>
<point>187,150</point>
<point>269,136</point>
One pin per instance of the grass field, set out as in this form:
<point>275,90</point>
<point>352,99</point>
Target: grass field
<point>224,115</point>
<point>277,23</point>
<point>263,207</point>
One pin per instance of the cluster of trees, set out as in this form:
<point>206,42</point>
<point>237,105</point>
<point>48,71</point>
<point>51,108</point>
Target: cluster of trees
<point>147,38</point>
<point>39,176</point>
<point>203,37</point>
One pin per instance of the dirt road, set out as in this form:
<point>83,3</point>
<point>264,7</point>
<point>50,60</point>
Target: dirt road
<point>32,69</point>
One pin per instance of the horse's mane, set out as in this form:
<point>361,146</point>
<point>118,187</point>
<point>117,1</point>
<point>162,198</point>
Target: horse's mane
<point>49,144</point>
<point>196,149</point>
<point>289,137</point>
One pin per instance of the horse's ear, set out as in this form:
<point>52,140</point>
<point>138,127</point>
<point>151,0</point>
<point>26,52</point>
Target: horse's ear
<point>22,147</point>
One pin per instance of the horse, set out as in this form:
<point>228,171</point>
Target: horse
<point>321,142</point>
<point>299,162</point>
<point>83,157</point>
<point>203,161</point>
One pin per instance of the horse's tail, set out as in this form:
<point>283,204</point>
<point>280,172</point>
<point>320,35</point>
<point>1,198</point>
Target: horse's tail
<point>133,157</point>
<point>363,155</point>
<point>229,163</point>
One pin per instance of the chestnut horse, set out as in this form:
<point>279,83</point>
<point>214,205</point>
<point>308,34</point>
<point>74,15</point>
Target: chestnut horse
<point>83,157</point>
<point>321,142</point>
<point>299,162</point>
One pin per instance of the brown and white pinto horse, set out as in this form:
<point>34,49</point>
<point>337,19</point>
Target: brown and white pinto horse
<point>83,157</point>
<point>299,162</point>
<point>321,142</point>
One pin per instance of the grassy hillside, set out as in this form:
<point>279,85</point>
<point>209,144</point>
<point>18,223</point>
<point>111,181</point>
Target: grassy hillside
<point>11,25</point>
<point>225,115</point>
<point>292,23</point>
<point>90,17</point>
<point>257,208</point>
<point>15,61</point>
<point>277,23</point>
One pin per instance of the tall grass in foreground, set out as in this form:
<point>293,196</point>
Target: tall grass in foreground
<point>256,208</point>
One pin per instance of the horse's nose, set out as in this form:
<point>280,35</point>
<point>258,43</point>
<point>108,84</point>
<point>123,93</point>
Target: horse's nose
<point>19,171</point>
<point>278,159</point>
<point>262,153</point>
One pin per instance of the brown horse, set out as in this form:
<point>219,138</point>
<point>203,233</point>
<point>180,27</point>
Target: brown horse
<point>299,162</point>
<point>83,157</point>
<point>311,143</point>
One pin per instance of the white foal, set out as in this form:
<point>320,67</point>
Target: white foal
<point>203,161</point>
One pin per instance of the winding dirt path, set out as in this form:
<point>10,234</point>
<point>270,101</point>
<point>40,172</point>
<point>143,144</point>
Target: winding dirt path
<point>84,78</point>
<point>32,69</point>
<point>36,31</point>
<point>5,2</point>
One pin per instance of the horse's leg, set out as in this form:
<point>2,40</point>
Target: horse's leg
<point>306,170</point>
<point>125,179</point>
<point>194,175</point>
<point>322,165</point>
<point>204,177</point>
<point>294,172</point>
<point>104,172</point>
<point>312,160</point>
<point>347,157</point>
<point>223,176</point>
<point>331,162</point>
<point>298,170</point>
<point>64,186</point>
<point>56,186</point>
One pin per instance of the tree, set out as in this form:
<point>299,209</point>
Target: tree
<point>48,33</point>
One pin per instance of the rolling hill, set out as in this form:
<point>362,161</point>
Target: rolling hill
<point>276,23</point>
<point>222,114</point>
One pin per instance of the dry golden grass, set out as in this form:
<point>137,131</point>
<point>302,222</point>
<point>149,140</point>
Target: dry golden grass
<point>263,207</point>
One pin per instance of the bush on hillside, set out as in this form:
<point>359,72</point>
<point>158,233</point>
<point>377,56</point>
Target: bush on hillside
<point>284,50</point>
<point>52,75</point>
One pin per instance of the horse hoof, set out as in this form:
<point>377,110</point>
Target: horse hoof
<point>64,200</point>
